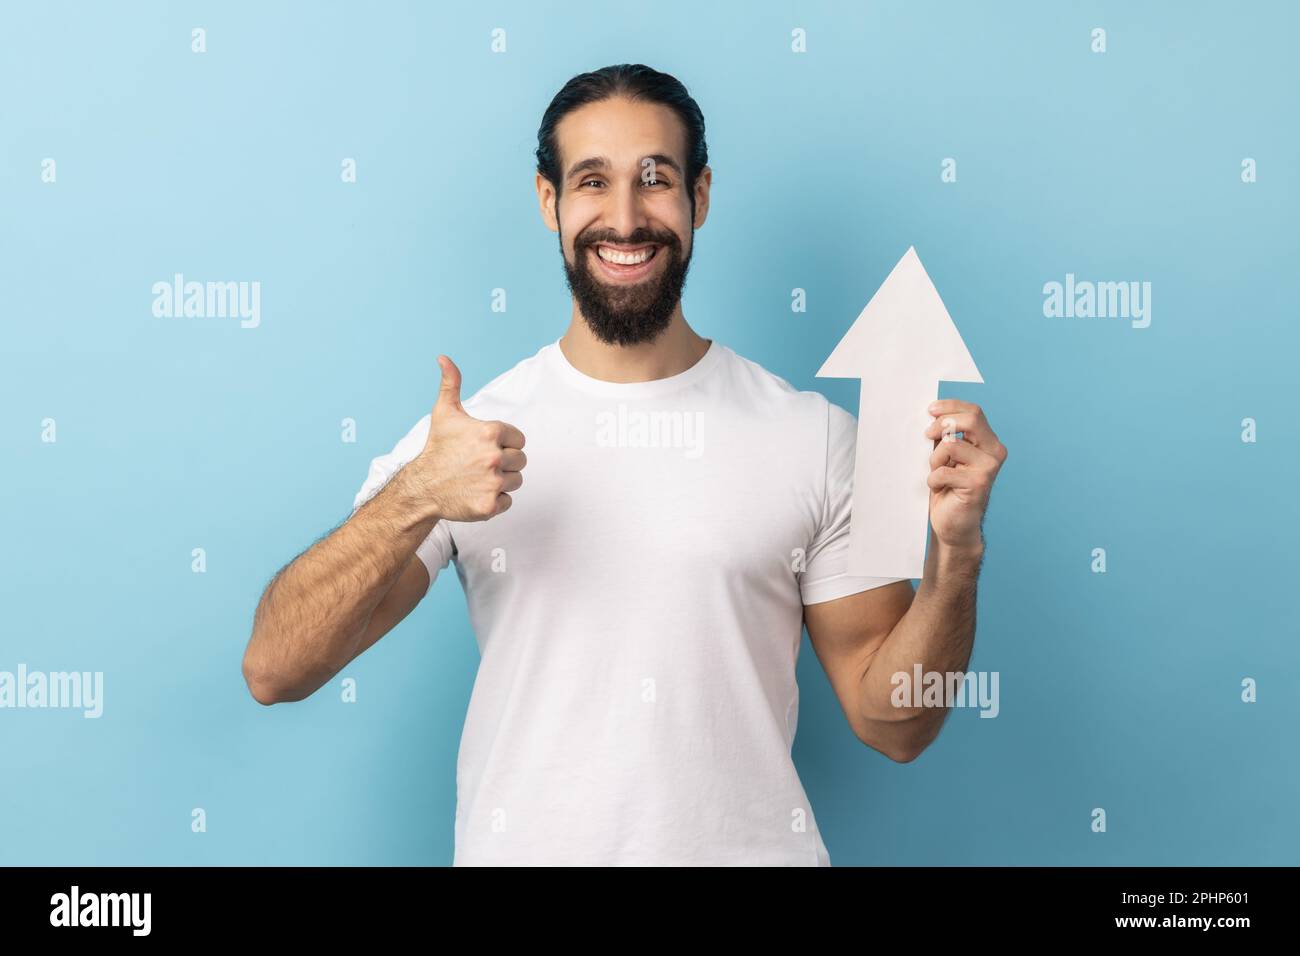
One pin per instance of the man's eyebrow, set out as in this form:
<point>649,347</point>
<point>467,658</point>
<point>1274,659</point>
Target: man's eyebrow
<point>602,163</point>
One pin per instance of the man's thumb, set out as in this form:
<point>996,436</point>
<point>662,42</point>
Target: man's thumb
<point>449,391</point>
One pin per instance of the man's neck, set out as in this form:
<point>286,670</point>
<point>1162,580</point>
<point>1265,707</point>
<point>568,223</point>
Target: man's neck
<point>675,350</point>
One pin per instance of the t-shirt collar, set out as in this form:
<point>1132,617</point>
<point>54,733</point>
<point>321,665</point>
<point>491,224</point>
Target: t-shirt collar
<point>659,386</point>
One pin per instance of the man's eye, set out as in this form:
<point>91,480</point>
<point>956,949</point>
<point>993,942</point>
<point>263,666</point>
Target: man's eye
<point>652,181</point>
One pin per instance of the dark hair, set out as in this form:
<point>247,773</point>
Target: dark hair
<point>637,82</point>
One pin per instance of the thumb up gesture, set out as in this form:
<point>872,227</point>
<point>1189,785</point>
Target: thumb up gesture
<point>468,467</point>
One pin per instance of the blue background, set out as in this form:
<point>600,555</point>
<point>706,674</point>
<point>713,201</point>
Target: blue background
<point>1118,690</point>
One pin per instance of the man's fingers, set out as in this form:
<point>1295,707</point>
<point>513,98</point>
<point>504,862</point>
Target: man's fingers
<point>504,501</point>
<point>511,480</point>
<point>951,478</point>
<point>449,390</point>
<point>947,424</point>
<point>974,429</point>
<point>512,459</point>
<point>511,437</point>
<point>960,454</point>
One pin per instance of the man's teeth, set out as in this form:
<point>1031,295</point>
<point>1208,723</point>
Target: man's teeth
<point>624,258</point>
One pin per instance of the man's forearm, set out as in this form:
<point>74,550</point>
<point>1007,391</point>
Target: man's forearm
<point>937,632</point>
<point>316,609</point>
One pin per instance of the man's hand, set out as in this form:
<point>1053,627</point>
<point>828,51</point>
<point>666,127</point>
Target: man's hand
<point>468,467</point>
<point>962,472</point>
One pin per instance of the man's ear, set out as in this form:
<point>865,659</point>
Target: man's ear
<point>546,200</point>
<point>702,183</point>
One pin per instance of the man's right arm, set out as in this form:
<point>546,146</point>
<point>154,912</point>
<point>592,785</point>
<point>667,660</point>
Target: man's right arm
<point>340,596</point>
<point>352,587</point>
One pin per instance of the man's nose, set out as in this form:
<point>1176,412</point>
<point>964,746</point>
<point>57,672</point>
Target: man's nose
<point>628,213</point>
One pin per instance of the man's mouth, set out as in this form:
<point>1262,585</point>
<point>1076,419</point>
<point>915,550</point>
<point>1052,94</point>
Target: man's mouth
<point>625,262</point>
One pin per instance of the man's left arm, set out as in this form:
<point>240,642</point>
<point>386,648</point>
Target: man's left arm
<point>865,639</point>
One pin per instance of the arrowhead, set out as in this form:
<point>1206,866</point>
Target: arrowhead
<point>904,329</point>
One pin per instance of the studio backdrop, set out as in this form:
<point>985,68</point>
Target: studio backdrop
<point>1104,194</point>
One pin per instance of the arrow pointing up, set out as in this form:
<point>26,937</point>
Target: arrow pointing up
<point>902,345</point>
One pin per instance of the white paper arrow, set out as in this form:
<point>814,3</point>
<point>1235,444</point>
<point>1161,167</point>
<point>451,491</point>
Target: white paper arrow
<point>901,346</point>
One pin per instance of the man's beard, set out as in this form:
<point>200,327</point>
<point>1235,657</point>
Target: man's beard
<point>636,312</point>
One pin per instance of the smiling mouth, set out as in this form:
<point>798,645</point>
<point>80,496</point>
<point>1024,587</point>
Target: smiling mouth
<point>626,255</point>
<point>625,262</point>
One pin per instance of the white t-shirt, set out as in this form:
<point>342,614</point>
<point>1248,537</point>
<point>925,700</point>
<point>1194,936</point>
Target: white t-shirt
<point>638,611</point>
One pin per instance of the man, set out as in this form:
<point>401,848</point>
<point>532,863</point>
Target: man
<point>639,606</point>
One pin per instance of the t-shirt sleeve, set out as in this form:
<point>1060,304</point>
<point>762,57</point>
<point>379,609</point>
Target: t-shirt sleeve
<point>824,577</point>
<point>436,549</point>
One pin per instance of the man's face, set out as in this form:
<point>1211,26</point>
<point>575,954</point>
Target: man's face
<point>624,215</point>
